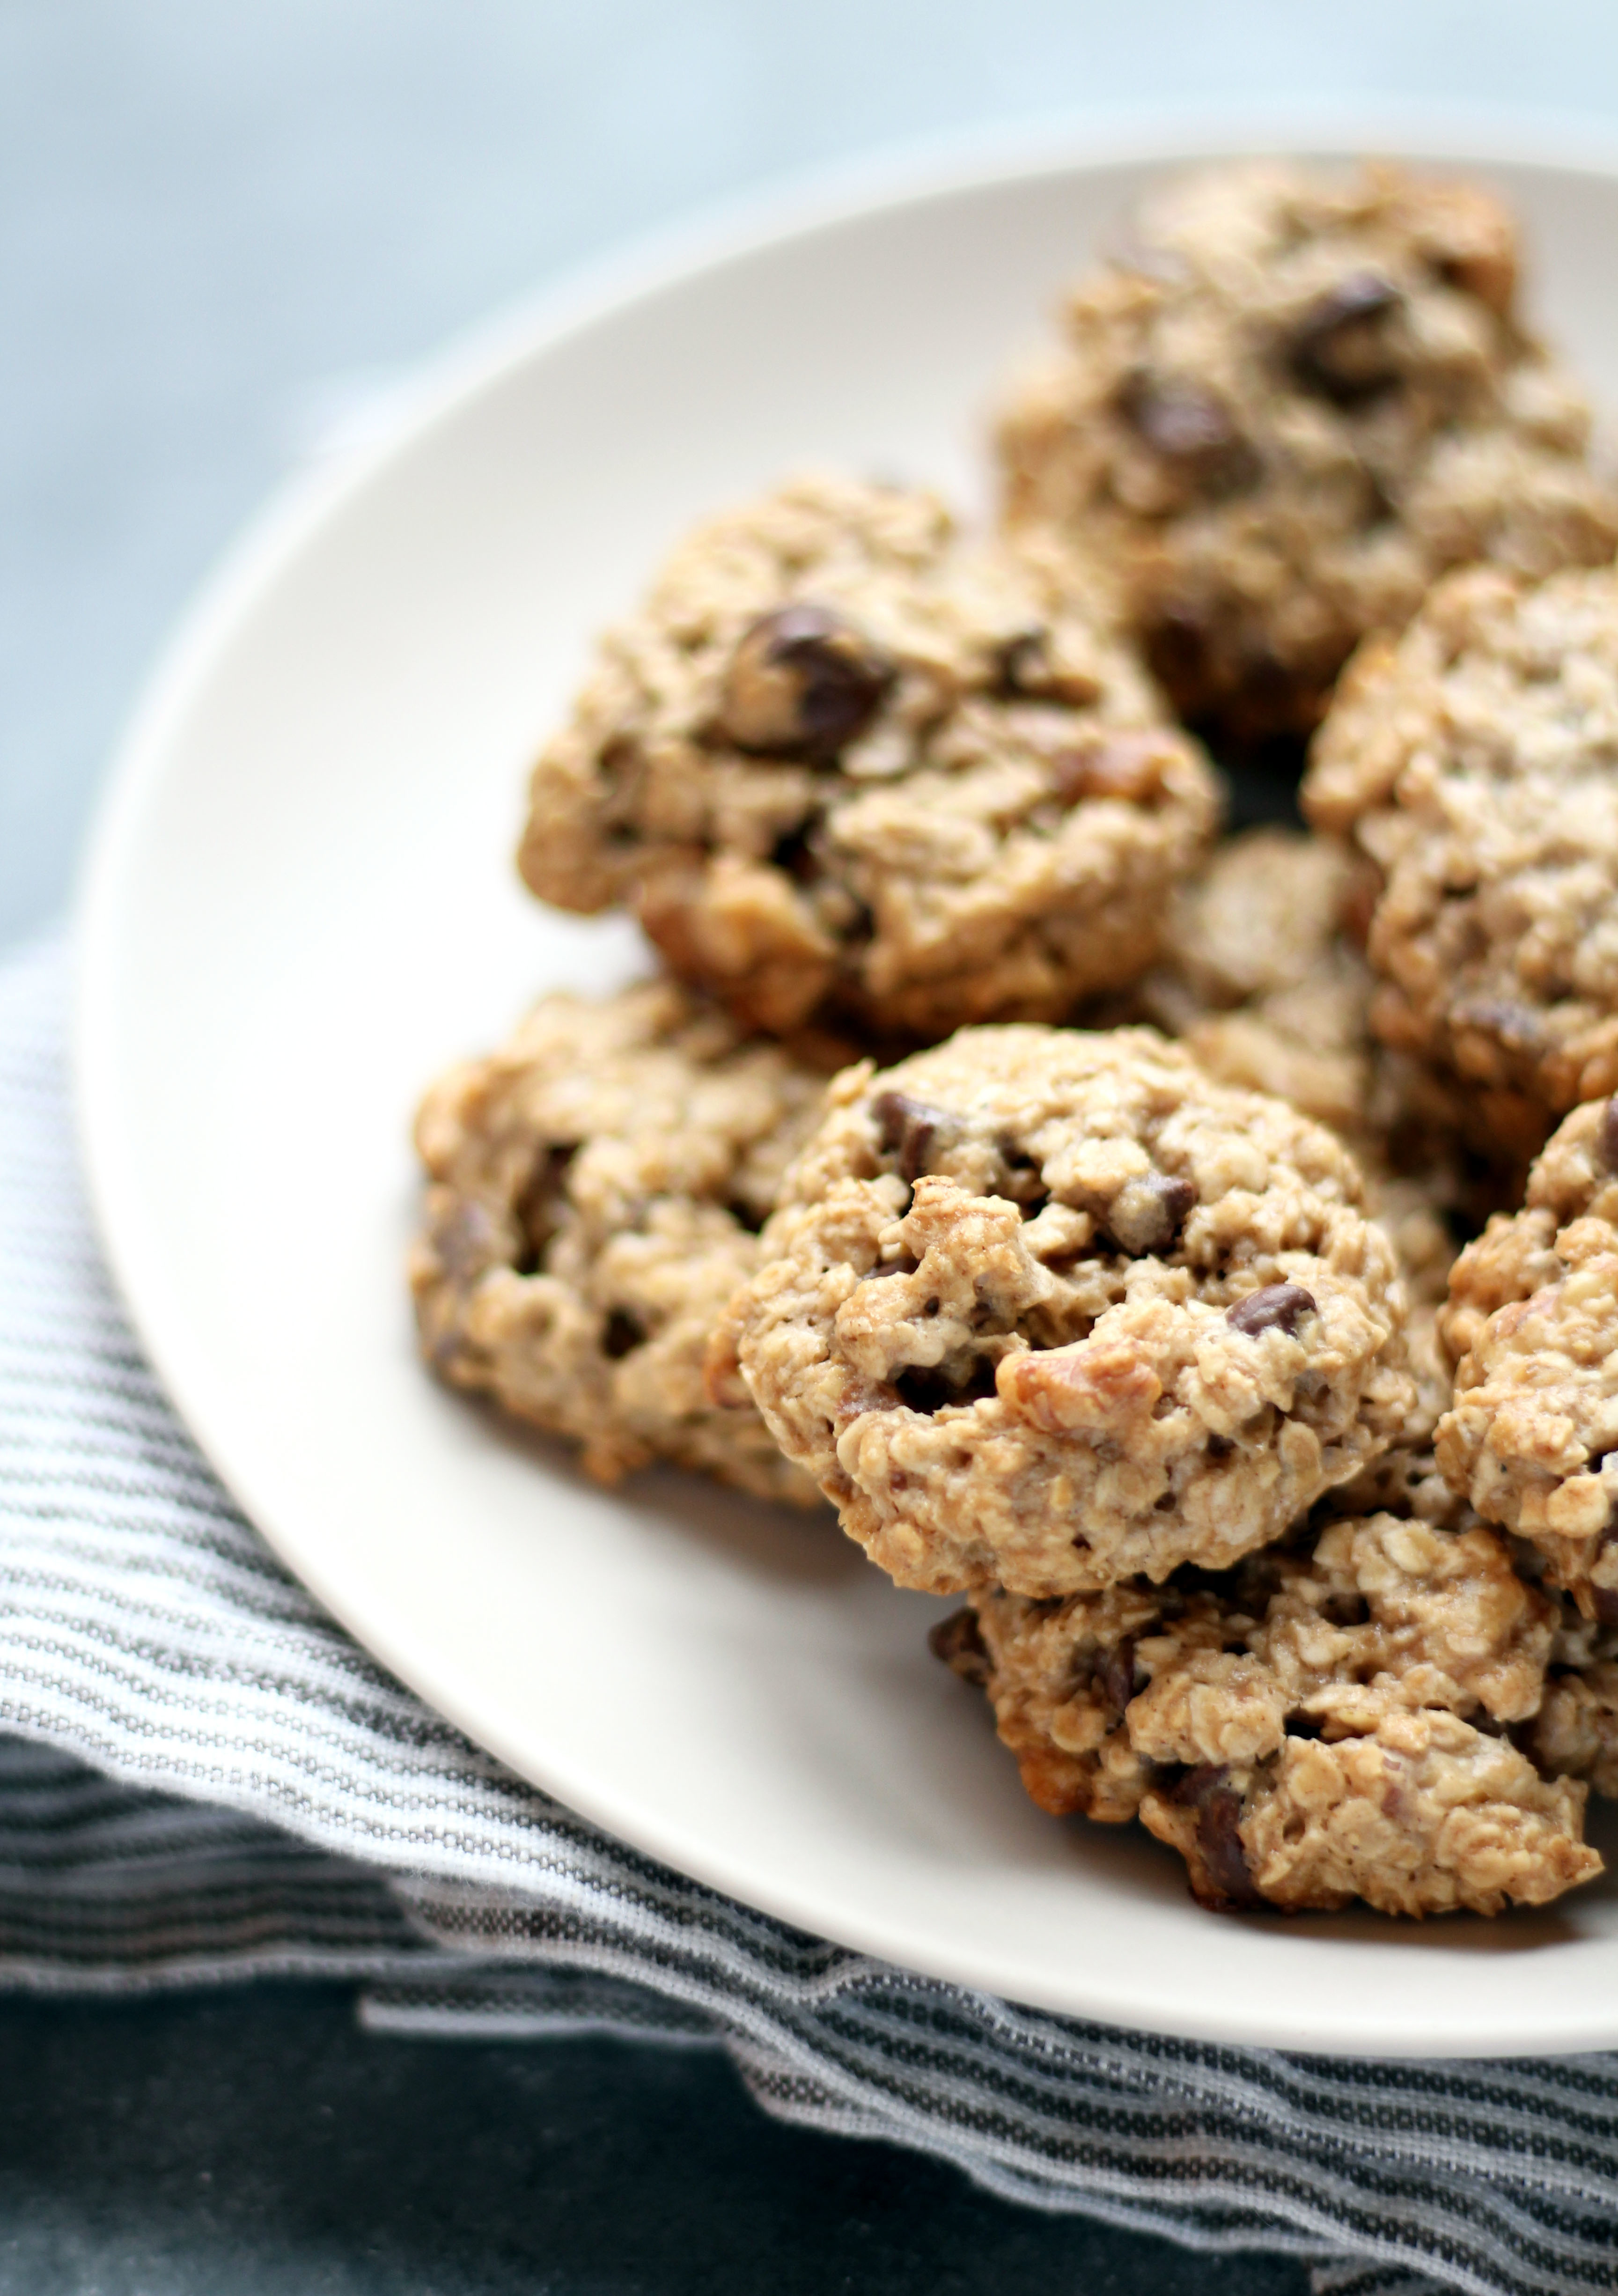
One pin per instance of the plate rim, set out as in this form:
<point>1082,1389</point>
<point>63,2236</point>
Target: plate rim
<point>910,175</point>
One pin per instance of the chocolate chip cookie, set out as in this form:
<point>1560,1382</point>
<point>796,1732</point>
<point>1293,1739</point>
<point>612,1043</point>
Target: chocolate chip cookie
<point>1260,981</point>
<point>596,1191</point>
<point>1531,1437</point>
<point>1474,762</point>
<point>1320,1724</point>
<point>1287,405</point>
<point>1051,1308</point>
<point>839,765</point>
<point>1263,980</point>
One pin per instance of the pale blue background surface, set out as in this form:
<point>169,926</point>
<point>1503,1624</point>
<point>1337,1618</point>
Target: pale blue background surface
<point>216,216</point>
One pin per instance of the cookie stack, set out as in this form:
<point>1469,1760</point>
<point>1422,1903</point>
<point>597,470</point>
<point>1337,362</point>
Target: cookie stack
<point>1071,1196</point>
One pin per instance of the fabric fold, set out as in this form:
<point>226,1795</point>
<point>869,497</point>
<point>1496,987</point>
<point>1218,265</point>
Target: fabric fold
<point>207,1779</point>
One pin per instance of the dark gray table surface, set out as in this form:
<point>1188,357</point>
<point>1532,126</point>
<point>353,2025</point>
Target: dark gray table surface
<point>258,2144</point>
<point>219,222</point>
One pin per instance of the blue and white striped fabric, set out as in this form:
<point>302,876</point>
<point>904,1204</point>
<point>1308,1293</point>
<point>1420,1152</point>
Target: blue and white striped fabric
<point>205,1779</point>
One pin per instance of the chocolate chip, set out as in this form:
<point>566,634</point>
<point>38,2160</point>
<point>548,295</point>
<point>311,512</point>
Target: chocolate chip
<point>1024,663</point>
<point>536,1205</point>
<point>794,855</point>
<point>1277,1307</point>
<point>1178,1198</point>
<point>1226,1879</point>
<point>924,1387</point>
<point>1115,1675</point>
<point>803,683</point>
<point>1177,645</point>
<point>1178,417</point>
<point>1189,425</point>
<point>1607,1138</point>
<point>1023,1182</point>
<point>908,1130</point>
<point>1605,1599</point>
<point>1341,347</point>
<point>621,1336</point>
<point>958,1641</point>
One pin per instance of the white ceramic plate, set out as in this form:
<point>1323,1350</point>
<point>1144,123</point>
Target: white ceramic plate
<point>302,903</point>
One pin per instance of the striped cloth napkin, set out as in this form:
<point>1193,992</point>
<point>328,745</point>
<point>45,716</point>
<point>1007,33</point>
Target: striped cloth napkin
<point>205,1778</point>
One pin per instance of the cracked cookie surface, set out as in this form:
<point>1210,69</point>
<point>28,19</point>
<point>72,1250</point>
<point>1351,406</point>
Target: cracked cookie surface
<point>1318,1725</point>
<point>1285,406</point>
<point>842,766</point>
<point>595,1190</point>
<point>1051,1308</point>
<point>1530,1439</point>
<point>1474,761</point>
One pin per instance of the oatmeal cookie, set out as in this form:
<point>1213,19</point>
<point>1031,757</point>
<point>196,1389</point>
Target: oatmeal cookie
<point>840,764</point>
<point>1298,1728</point>
<point>1287,405</point>
<point>1422,1814</point>
<point>1260,981</point>
<point>1263,980</point>
<point>1531,1437</point>
<point>1474,761</point>
<point>1050,1308</point>
<point>596,1190</point>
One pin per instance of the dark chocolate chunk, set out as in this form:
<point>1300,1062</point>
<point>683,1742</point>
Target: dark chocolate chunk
<point>958,1641</point>
<point>536,1206</point>
<point>803,683</point>
<point>1342,347</point>
<point>1226,1882</point>
<point>1187,423</point>
<point>908,1129</point>
<point>1177,645</point>
<point>1024,663</point>
<point>1178,417</point>
<point>1178,1198</point>
<point>1115,1675</point>
<point>1278,1306</point>
<point>924,1388</point>
<point>1023,1182</point>
<point>794,855</point>
<point>621,1335</point>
